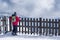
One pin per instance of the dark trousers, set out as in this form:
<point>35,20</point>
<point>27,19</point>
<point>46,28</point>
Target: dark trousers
<point>14,29</point>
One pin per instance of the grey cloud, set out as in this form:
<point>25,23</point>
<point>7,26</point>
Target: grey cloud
<point>34,8</point>
<point>57,5</point>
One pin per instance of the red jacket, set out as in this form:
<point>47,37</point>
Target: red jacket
<point>15,22</point>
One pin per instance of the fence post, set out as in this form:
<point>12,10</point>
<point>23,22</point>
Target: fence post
<point>40,26</point>
<point>10,24</point>
<point>31,24</point>
<point>59,28</point>
<point>0,25</point>
<point>34,25</point>
<point>28,25</point>
<point>56,27</point>
<point>46,27</point>
<point>37,26</point>
<point>52,26</point>
<point>19,26</point>
<point>22,25</point>
<point>49,26</point>
<point>25,25</point>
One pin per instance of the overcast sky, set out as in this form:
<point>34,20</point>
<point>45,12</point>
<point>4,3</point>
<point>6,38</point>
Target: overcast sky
<point>32,8</point>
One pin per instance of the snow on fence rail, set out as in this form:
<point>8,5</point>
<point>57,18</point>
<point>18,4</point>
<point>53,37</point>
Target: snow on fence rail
<point>37,26</point>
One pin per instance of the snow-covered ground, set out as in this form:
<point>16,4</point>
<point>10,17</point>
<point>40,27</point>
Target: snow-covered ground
<point>20,36</point>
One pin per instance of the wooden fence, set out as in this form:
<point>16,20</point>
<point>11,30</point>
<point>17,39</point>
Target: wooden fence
<point>39,26</point>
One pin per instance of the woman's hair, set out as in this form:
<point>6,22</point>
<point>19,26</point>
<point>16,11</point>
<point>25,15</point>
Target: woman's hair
<point>14,13</point>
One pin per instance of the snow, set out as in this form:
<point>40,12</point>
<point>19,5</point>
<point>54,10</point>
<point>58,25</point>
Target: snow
<point>21,36</point>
